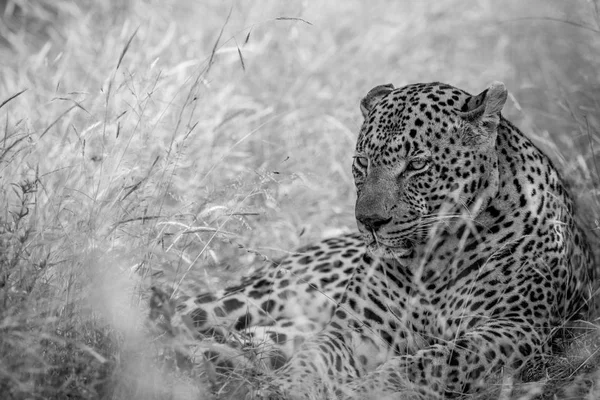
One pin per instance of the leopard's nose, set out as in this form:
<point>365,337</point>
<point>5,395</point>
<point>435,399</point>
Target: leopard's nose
<point>373,222</point>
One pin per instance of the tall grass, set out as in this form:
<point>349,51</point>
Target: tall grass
<point>185,143</point>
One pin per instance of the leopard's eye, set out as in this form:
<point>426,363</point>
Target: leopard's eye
<point>361,162</point>
<point>417,165</point>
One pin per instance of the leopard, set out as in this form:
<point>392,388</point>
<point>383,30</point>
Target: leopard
<point>469,256</point>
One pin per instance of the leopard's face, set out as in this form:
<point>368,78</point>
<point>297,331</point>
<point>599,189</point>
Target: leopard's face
<point>425,156</point>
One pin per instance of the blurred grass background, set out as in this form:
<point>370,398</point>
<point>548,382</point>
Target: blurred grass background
<point>182,142</point>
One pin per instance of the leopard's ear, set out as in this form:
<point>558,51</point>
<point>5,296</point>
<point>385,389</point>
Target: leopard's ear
<point>374,95</point>
<point>484,109</point>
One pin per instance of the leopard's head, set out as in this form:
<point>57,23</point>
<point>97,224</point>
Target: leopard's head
<point>425,157</point>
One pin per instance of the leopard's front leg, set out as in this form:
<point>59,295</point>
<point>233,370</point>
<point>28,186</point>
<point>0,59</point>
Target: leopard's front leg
<point>458,367</point>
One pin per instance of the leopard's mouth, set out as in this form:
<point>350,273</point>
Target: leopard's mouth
<point>379,248</point>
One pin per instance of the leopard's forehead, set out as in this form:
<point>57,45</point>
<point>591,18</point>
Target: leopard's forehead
<point>408,120</point>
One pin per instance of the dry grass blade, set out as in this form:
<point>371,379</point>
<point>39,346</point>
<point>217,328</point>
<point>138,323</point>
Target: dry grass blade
<point>58,119</point>
<point>214,49</point>
<point>143,219</point>
<point>582,26</point>
<point>126,47</point>
<point>136,186</point>
<point>292,19</point>
<point>589,135</point>
<point>78,104</point>
<point>584,363</point>
<point>8,148</point>
<point>14,96</point>
<point>241,58</point>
